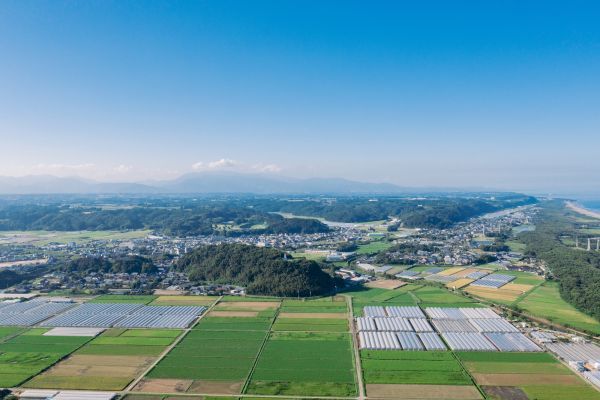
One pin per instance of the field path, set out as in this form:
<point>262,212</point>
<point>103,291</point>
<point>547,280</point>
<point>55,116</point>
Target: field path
<point>357,366</point>
<point>169,348</point>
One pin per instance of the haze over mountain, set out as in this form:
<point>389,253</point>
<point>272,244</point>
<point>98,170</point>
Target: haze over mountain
<point>202,182</point>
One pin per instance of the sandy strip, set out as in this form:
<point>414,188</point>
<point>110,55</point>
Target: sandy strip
<point>385,284</point>
<point>581,210</point>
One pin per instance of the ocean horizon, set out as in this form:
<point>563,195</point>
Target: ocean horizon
<point>591,204</point>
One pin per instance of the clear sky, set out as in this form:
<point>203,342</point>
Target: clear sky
<point>501,94</point>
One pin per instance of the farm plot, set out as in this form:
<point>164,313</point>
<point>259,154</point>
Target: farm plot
<point>545,302</point>
<point>177,300</point>
<point>305,363</point>
<point>26,355</point>
<point>115,298</point>
<point>382,297</point>
<point>331,306</point>
<point>404,367</point>
<point>432,296</point>
<point>537,375</point>
<point>109,362</point>
<point>312,324</point>
<point>219,359</point>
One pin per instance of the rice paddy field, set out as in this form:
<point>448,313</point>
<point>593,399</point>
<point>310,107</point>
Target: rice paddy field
<point>278,348</point>
<point>108,362</point>
<point>29,353</point>
<point>536,376</point>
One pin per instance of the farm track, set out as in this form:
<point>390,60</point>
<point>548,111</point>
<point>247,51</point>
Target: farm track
<point>357,364</point>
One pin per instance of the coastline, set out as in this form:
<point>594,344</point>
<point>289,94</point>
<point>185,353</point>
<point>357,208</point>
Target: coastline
<point>581,210</point>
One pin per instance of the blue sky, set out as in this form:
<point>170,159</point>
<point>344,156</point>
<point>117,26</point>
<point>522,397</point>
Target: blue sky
<point>462,93</point>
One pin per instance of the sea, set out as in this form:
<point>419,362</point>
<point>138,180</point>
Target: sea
<point>590,204</point>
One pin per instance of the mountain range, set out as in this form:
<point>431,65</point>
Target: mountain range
<point>201,182</point>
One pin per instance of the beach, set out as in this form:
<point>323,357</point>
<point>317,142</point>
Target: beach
<point>581,210</point>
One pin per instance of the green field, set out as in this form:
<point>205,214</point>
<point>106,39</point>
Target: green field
<point>373,247</point>
<point>406,367</point>
<point>43,238</point>
<point>108,362</point>
<point>116,298</point>
<point>305,364</point>
<point>211,355</point>
<point>311,325</point>
<point>234,324</point>
<point>545,302</point>
<point>560,382</point>
<point>25,356</point>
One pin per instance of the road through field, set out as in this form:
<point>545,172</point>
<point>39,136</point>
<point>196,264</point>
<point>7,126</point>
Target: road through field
<point>357,366</point>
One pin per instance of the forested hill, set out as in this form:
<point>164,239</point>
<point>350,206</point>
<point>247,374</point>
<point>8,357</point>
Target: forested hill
<point>172,218</point>
<point>262,271</point>
<point>577,270</point>
<point>431,212</point>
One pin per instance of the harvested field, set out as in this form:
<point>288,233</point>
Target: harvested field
<point>422,392</point>
<point>459,283</point>
<point>525,379</point>
<point>386,284</point>
<point>465,272</point>
<point>312,315</point>
<point>125,361</point>
<point>234,314</point>
<point>507,296</point>
<point>450,271</point>
<point>250,305</point>
<point>518,287</point>
<point>216,387</point>
<point>163,385</point>
<point>505,393</point>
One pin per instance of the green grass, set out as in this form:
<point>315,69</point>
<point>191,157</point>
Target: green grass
<point>211,355</point>
<point>115,298</point>
<point>556,392</point>
<point>234,323</point>
<point>311,324</point>
<point>482,356</point>
<point>432,294</point>
<point>156,333</point>
<point>516,246</point>
<point>305,364</point>
<point>8,331</point>
<point>26,355</point>
<point>373,247</point>
<point>545,302</point>
<point>523,278</point>
<point>405,367</point>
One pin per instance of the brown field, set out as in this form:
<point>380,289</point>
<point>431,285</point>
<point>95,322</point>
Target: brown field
<point>465,272</point>
<point>492,294</point>
<point>508,293</point>
<point>386,284</point>
<point>505,393</point>
<point>216,387</point>
<point>459,283</point>
<point>163,385</point>
<point>525,379</point>
<point>450,271</point>
<point>92,370</point>
<point>341,315</point>
<point>118,366</point>
<point>517,287</point>
<point>123,361</point>
<point>233,313</point>
<point>422,392</point>
<point>249,305</point>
